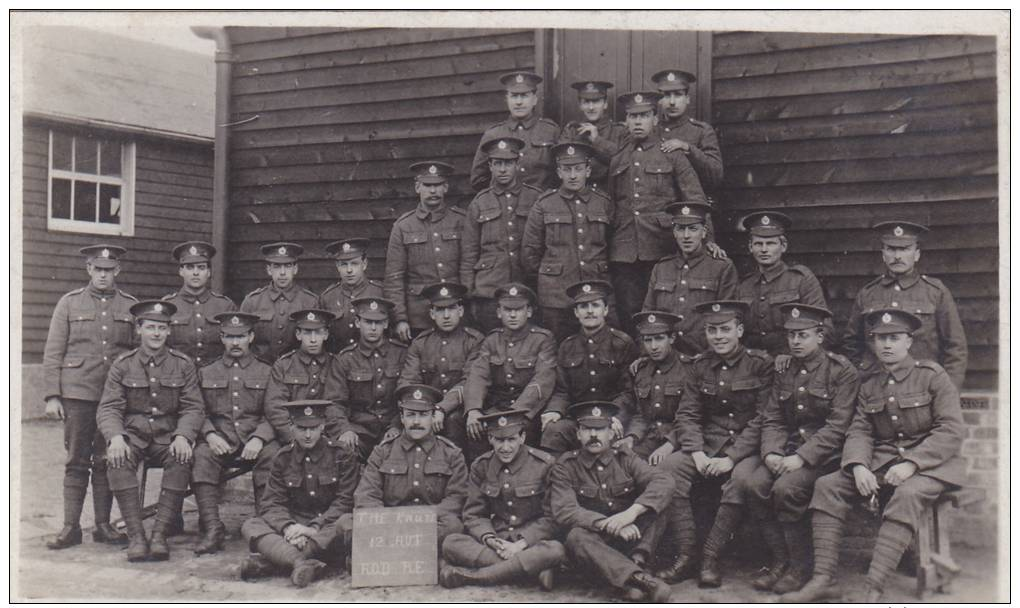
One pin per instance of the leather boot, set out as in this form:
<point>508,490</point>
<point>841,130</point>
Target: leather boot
<point>682,568</point>
<point>131,511</point>
<point>207,497</point>
<point>726,520</point>
<point>305,571</point>
<point>654,589</point>
<point>255,567</point>
<point>826,534</point>
<point>772,534</point>
<point>798,542</point>
<point>681,526</point>
<point>105,533</point>
<point>451,577</point>
<point>819,588</point>
<point>167,510</point>
<point>68,536</point>
<point>102,504</point>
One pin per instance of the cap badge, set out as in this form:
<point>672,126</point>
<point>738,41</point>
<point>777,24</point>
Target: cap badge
<point>309,411</point>
<point>513,291</point>
<point>638,98</point>
<point>795,313</point>
<point>502,421</point>
<point>671,77</point>
<point>104,253</point>
<point>158,308</point>
<point>651,318</point>
<point>417,394</point>
<point>887,318</point>
<point>444,292</point>
<point>898,231</point>
<point>520,78</point>
<point>346,247</point>
<point>235,321</point>
<point>193,250</point>
<point>311,316</point>
<point>501,145</point>
<point>716,308</point>
<point>282,251</point>
<point>685,210</point>
<point>765,221</point>
<point>595,411</point>
<point>586,288</point>
<point>590,86</point>
<point>374,305</point>
<point>433,170</point>
<point>570,150</point>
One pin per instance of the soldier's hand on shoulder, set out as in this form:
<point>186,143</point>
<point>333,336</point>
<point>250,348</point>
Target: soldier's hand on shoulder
<point>716,251</point>
<point>671,145</point>
<point>627,443</point>
<point>474,427</point>
<point>586,128</point>
<point>617,427</point>
<point>782,363</point>
<point>391,433</point>
<point>635,365</point>
<point>217,444</point>
<point>548,418</point>
<point>252,448</point>
<point>403,331</point>
<point>54,408</point>
<point>348,439</point>
<point>438,417</point>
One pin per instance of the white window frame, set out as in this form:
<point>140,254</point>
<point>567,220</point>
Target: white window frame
<point>126,181</point>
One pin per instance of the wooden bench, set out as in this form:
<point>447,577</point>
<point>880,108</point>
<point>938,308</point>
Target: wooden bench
<point>936,567</point>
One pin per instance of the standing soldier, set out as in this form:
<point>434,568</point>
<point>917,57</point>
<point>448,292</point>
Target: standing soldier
<point>642,181</point>
<point>236,432</point>
<point>774,283</point>
<point>90,328</point>
<point>151,411</point>
<point>415,467</point>
<point>803,428</point>
<point>274,303</point>
<point>903,445</point>
<point>363,380</point>
<point>658,383</point>
<point>192,330</point>
<point>439,357</point>
<point>310,487</point>
<point>494,230</point>
<point>510,530</point>
<point>679,283</point>
<point>424,248</point>
<point>567,237</point>
<point>351,262</point>
<point>940,338</point>
<point>591,365</point>
<point>613,504</point>
<point>515,368</point>
<point>539,134</point>
<point>597,129</point>
<point>303,374</point>
<point>718,424</point>
<point>696,139</point>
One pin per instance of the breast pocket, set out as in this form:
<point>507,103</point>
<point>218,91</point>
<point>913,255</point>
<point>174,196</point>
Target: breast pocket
<point>558,232</point>
<point>136,389</point>
<point>256,389</point>
<point>660,176</point>
<point>530,496</point>
<point>745,393</point>
<point>415,241</point>
<point>524,369</point>
<point>820,403</point>
<point>916,409</point>
<point>598,228</point>
<point>215,396</point>
<point>80,325</point>
<point>169,394</point>
<point>124,329</point>
<point>664,295</point>
<point>702,290</point>
<point>437,476</point>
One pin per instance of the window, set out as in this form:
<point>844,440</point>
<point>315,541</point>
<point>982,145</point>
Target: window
<point>91,184</point>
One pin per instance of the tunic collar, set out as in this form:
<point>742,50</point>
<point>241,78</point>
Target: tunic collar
<point>513,188</point>
<point>407,444</point>
<point>589,461</point>
<point>243,361</point>
<point>694,259</point>
<point>367,350</point>
<point>430,215</point>
<point>652,141</point>
<point>902,369</point>
<point>527,123</point>
<point>772,272</point>
<point>202,296</point>
<point>583,194</point>
<point>276,293</point>
<point>906,281</point>
<point>515,465</point>
<point>157,357</point>
<point>812,361</point>
<point>307,359</point>
<point>668,363</point>
<point>519,335</point>
<point>729,360</point>
<point>101,293</point>
<point>314,453</point>
<point>600,335</point>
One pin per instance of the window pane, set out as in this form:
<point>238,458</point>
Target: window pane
<point>85,201</point>
<point>60,193</point>
<point>109,158</point>
<point>109,204</point>
<point>61,151</point>
<point>85,150</point>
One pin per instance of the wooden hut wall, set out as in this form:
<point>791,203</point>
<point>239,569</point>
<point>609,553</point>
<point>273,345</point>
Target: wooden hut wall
<point>842,131</point>
<point>330,119</point>
<point>173,203</point>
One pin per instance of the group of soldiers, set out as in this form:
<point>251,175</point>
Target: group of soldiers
<point>559,370</point>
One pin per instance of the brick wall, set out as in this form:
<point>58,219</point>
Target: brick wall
<point>981,451</point>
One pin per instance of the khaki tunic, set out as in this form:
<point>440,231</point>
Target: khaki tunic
<point>536,166</point>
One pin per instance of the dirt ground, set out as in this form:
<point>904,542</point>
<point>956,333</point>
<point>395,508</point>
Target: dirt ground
<point>95,572</point>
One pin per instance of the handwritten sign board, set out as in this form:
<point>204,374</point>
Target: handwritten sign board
<point>394,546</point>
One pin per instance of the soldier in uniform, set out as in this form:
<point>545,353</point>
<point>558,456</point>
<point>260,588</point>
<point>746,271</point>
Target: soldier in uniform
<point>679,283</point>
<point>439,357</point>
<point>274,303</point>
<point>515,368</point>
<point>774,283</point>
<point>151,411</point>
<point>902,449</point>
<point>941,338</point>
<point>658,382</point>
<point>507,515</point>
<point>415,467</point>
<point>494,230</point>
<point>90,328</point>
<point>613,503</point>
<point>539,134</point>
<point>424,248</point>
<point>805,422</point>
<point>192,330</point>
<point>351,262</point>
<point>567,237</point>
<point>305,373</point>
<point>696,139</point>
<point>311,486</point>
<point>364,378</point>
<point>597,129</point>
<point>236,432</point>
<point>718,424</point>
<point>642,181</point>
<point>591,365</point>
